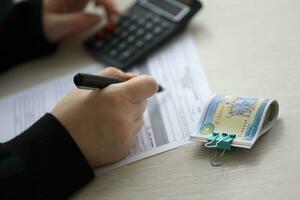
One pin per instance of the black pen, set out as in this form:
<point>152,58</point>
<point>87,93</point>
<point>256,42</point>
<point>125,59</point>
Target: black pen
<point>92,82</point>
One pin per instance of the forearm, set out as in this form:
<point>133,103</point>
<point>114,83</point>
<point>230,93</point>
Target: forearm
<point>21,33</point>
<point>42,163</point>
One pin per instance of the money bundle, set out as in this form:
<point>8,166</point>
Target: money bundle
<point>235,121</point>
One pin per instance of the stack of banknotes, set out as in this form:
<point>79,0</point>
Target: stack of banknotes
<point>247,118</point>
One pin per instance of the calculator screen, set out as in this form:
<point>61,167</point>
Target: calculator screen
<point>171,8</point>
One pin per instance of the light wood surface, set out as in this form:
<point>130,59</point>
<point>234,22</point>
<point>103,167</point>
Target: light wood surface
<point>248,48</point>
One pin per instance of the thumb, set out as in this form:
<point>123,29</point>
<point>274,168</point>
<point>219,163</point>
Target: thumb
<point>64,25</point>
<point>139,88</point>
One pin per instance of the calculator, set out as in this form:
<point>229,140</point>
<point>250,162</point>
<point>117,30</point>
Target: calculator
<point>144,27</point>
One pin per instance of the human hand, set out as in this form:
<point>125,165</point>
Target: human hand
<point>63,18</point>
<point>104,123</point>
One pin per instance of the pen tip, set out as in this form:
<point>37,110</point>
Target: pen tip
<point>160,88</point>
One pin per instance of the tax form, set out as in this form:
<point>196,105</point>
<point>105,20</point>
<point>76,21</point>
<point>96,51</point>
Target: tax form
<point>171,116</point>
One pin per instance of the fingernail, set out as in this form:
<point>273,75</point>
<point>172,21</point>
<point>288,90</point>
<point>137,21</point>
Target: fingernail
<point>132,74</point>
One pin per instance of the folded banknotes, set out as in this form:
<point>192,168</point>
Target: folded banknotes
<point>246,118</point>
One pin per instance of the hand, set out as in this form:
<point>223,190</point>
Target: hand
<point>63,18</point>
<point>104,123</point>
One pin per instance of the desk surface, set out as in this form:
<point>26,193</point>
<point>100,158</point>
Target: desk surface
<point>248,48</point>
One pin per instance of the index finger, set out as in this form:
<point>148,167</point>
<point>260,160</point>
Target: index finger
<point>110,7</point>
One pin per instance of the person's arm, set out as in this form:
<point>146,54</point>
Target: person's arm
<point>21,33</point>
<point>53,158</point>
<point>42,163</point>
<point>32,28</point>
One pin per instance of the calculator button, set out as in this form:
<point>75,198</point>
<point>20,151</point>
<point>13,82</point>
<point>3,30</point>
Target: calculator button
<point>141,21</point>
<point>149,25</point>
<point>124,34</point>
<point>140,32</point>
<point>156,19</point>
<point>149,37</point>
<point>157,30</point>
<point>140,43</point>
<point>165,24</point>
<point>132,28</point>
<point>125,54</point>
<point>113,53</point>
<point>122,46</point>
<point>130,39</point>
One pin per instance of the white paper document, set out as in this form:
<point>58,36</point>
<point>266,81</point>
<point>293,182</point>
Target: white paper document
<point>170,118</point>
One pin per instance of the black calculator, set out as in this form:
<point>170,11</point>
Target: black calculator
<point>145,26</point>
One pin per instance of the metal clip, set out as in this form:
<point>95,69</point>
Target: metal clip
<point>221,142</point>
<point>217,161</point>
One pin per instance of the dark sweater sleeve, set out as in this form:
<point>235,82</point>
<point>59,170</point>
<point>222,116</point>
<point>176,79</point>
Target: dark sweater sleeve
<point>21,33</point>
<point>42,163</point>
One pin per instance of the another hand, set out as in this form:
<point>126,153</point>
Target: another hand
<point>63,18</point>
<point>104,123</point>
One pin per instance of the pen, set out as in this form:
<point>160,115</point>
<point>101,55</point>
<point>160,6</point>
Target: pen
<point>92,82</point>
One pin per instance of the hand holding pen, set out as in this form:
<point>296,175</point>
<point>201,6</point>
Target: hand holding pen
<point>104,124</point>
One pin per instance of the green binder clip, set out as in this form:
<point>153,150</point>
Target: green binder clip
<point>220,141</point>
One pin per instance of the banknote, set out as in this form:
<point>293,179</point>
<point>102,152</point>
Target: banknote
<point>246,117</point>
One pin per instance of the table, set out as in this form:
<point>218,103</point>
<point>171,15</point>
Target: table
<point>248,48</point>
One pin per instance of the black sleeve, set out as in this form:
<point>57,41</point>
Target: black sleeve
<point>42,163</point>
<point>21,33</point>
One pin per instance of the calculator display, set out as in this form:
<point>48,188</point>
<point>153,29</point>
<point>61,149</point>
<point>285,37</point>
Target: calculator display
<point>166,6</point>
<point>171,9</point>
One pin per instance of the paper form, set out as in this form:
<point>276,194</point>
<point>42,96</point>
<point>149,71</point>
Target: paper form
<point>170,118</point>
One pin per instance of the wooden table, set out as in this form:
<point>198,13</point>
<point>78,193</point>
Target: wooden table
<point>248,48</point>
